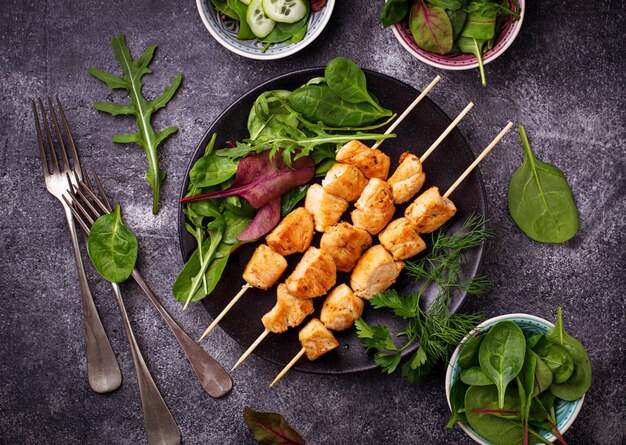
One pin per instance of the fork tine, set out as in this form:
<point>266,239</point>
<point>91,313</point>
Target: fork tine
<point>42,150</point>
<point>55,163</point>
<point>57,131</point>
<point>77,168</point>
<point>101,190</point>
<point>95,211</point>
<point>72,205</point>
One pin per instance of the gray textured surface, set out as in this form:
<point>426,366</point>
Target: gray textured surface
<point>563,79</point>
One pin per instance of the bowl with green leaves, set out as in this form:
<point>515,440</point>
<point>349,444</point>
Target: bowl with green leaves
<point>455,34</point>
<point>517,379</point>
<point>265,29</point>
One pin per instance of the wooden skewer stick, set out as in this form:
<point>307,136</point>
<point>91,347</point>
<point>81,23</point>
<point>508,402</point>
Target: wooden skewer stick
<point>288,367</point>
<point>478,159</point>
<point>453,124</point>
<point>409,108</point>
<point>251,348</point>
<point>243,290</point>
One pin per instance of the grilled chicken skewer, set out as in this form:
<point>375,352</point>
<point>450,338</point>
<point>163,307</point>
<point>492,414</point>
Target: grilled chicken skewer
<point>345,242</point>
<point>316,340</point>
<point>315,336</point>
<point>431,210</point>
<point>293,234</point>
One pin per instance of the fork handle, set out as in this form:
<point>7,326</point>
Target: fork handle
<point>213,378</point>
<point>103,371</point>
<point>160,427</point>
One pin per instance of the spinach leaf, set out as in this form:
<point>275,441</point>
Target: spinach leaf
<point>475,376</point>
<point>543,374</point>
<point>292,198</point>
<point>470,45</point>
<point>112,247</point>
<point>140,107</point>
<point>431,27</point>
<point>457,403</point>
<point>480,24</point>
<point>394,11</point>
<point>298,36</point>
<point>469,353</point>
<point>222,6</point>
<point>318,103</point>
<point>457,19</point>
<point>347,80</point>
<point>240,9</point>
<point>501,354</point>
<point>580,380</point>
<point>540,199</point>
<point>496,422</point>
<point>211,170</point>
<point>557,358</point>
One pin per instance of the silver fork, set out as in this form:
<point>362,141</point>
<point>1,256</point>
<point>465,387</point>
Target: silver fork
<point>102,369</point>
<point>213,378</point>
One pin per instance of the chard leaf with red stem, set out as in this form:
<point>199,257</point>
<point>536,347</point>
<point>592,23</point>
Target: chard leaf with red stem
<point>270,428</point>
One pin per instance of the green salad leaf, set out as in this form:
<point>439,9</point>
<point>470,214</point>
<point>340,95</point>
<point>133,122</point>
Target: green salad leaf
<point>143,109</point>
<point>112,247</point>
<point>540,199</point>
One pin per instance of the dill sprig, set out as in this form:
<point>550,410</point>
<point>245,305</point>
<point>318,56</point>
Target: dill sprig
<point>437,330</point>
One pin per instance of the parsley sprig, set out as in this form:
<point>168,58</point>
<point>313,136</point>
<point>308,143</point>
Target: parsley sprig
<point>437,330</point>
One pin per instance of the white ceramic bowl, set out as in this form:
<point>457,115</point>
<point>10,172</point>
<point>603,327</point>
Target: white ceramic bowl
<point>507,35</point>
<point>566,412</point>
<point>225,32</point>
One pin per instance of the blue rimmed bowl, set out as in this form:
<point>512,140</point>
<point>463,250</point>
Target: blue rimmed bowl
<point>224,30</point>
<point>566,412</point>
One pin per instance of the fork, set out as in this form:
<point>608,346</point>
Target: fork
<point>213,378</point>
<point>103,371</point>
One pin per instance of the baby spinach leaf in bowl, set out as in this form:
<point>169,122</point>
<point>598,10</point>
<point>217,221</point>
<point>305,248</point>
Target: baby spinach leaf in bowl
<point>540,199</point>
<point>112,247</point>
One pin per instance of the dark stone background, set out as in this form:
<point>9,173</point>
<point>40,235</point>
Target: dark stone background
<point>563,79</point>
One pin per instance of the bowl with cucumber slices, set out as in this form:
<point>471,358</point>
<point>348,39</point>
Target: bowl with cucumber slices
<point>265,29</point>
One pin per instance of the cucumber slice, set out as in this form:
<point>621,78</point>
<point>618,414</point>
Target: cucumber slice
<point>259,23</point>
<point>285,11</point>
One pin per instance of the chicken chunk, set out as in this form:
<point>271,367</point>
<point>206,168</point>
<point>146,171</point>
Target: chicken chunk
<point>345,181</point>
<point>325,207</point>
<point>288,312</point>
<point>293,234</point>
<point>372,162</point>
<point>408,178</point>
<point>375,207</point>
<point>401,240</point>
<point>341,308</point>
<point>314,275</point>
<point>429,211</point>
<point>374,273</point>
<point>264,268</point>
<point>316,339</point>
<point>345,243</point>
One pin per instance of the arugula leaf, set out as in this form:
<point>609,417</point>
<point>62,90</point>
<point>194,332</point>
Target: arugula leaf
<point>270,428</point>
<point>140,107</point>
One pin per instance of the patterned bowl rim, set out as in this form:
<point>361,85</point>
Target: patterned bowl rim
<point>489,56</point>
<point>577,404</point>
<point>326,12</point>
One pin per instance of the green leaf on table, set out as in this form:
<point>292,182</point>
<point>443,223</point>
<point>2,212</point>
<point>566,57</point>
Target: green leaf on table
<point>112,247</point>
<point>270,428</point>
<point>540,199</point>
<point>143,109</point>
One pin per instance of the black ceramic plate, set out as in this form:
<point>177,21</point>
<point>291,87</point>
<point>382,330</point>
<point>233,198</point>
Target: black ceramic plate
<point>416,134</point>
